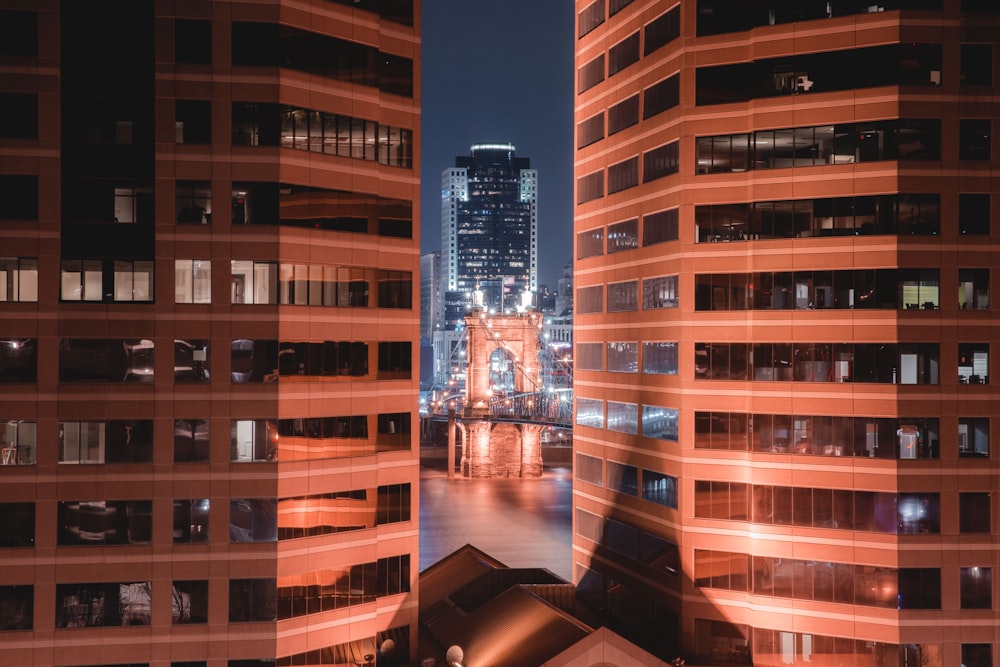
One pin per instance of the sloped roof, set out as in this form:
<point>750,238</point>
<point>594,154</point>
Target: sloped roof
<point>514,628</point>
<point>604,647</point>
<point>452,572</point>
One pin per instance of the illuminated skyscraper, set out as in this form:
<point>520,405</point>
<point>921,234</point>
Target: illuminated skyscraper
<point>207,326</point>
<point>489,220</point>
<point>784,260</point>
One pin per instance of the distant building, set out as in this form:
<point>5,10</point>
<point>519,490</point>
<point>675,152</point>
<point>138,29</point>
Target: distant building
<point>564,293</point>
<point>489,219</point>
<point>431,294</point>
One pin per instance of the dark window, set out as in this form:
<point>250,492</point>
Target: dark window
<point>590,299</point>
<point>252,600</point>
<point>18,33</point>
<point>660,162</point>
<point>974,214</point>
<point>253,520</point>
<point>974,512</point>
<point>622,477</point>
<point>919,588</point>
<point>393,504</point>
<point>400,229</point>
<point>589,469</point>
<point>103,522</point>
<point>102,200</point>
<point>18,197</point>
<point>622,539</point>
<point>591,17</point>
<point>268,45</point>
<point>193,202</point>
<point>99,360</point>
<point>977,655</point>
<point>16,602</point>
<point>590,74</point>
<point>590,187</point>
<point>661,96</point>
<point>255,124</point>
<point>901,64</point>
<point>660,227</point>
<point>589,356</point>
<point>191,521</point>
<point>590,130</point>
<point>662,30</point>
<point>724,83</point>
<point>590,243</point>
<point>103,604</point>
<point>18,115</point>
<point>622,115</point>
<point>253,360</point>
<point>623,54</point>
<point>255,44</point>
<point>623,297</point>
<point>17,527</point>
<point>395,289</point>
<point>976,586</point>
<point>18,360</point>
<point>395,360</point>
<point>193,41</point>
<point>191,441</point>
<point>721,16</point>
<point>977,64</point>
<point>193,123</point>
<point>615,6</point>
<point>189,602</point>
<point>623,176</point>
<point>191,361</point>
<point>974,136</point>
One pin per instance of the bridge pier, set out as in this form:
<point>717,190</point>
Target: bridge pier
<point>501,449</point>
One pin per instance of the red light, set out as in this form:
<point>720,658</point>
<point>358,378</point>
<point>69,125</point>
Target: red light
<point>239,200</point>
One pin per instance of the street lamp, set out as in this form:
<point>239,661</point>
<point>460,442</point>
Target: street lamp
<point>454,656</point>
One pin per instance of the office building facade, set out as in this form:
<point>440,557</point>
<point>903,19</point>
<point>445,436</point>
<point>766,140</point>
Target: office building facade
<point>784,251</point>
<point>489,228</point>
<point>207,254</point>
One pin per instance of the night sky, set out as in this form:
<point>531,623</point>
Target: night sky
<point>501,72</point>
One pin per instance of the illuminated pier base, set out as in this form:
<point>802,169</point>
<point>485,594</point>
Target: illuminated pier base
<point>491,449</point>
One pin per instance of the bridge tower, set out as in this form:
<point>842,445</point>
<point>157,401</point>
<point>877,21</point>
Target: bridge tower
<point>492,448</point>
<point>516,335</point>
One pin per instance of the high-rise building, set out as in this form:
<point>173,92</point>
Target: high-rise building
<point>431,295</point>
<point>207,323</point>
<point>784,259</point>
<point>489,220</point>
